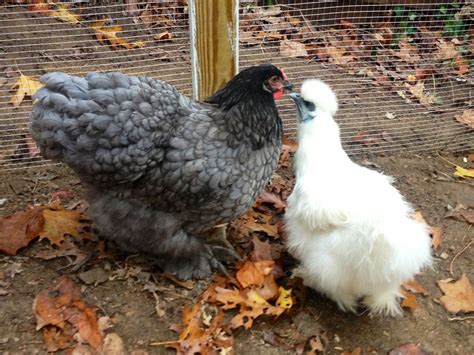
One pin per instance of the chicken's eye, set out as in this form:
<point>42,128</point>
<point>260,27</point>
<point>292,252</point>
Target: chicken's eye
<point>309,105</point>
<point>275,79</point>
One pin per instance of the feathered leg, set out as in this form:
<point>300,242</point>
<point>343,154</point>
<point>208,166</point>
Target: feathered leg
<point>139,228</point>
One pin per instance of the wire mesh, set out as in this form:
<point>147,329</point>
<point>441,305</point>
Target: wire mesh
<point>402,72</point>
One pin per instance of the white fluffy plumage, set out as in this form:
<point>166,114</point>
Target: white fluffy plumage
<point>351,230</point>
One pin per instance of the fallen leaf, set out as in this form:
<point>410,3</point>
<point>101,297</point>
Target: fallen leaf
<point>261,250</point>
<point>259,222</point>
<point>275,340</point>
<point>415,287</point>
<point>58,223</point>
<point>356,351</point>
<point>197,338</point>
<point>19,230</point>
<point>62,13</point>
<point>467,118</point>
<point>66,248</point>
<point>365,138</point>
<point>61,307</point>
<point>188,284</point>
<point>462,64</point>
<point>458,295</point>
<point>39,6</point>
<point>113,344</point>
<point>446,50</point>
<point>284,299</point>
<point>253,273</point>
<point>408,349</point>
<point>411,78</point>
<point>436,237</point>
<point>461,172</point>
<point>317,344</point>
<point>163,36</point>
<point>25,86</point>
<point>409,300</point>
<point>110,33</point>
<point>55,339</point>
<point>407,52</point>
<point>418,90</point>
<point>468,214</point>
<point>423,73</point>
<point>292,49</point>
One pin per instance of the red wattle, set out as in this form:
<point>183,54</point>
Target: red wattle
<point>277,95</point>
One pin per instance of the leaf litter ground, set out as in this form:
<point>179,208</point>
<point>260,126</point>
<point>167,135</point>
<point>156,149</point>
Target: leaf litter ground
<point>145,307</point>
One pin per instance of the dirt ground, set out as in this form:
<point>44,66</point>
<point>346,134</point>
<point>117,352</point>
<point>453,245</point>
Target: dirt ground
<point>119,282</point>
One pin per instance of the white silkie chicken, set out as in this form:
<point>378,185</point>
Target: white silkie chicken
<point>351,230</point>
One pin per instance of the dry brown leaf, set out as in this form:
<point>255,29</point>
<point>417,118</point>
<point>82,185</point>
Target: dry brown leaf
<point>407,52</point>
<point>436,237</point>
<point>110,34</point>
<point>276,340</point>
<point>253,273</point>
<point>251,306</point>
<point>418,90</point>
<point>459,295</point>
<point>317,344</point>
<point>56,339</point>
<point>67,248</point>
<point>19,230</point>
<point>408,349</point>
<point>259,222</point>
<point>338,55</point>
<point>446,50</point>
<point>415,287</point>
<point>356,351</point>
<point>61,307</point>
<point>197,338</point>
<point>409,300</point>
<point>163,36</point>
<point>467,118</point>
<point>462,64</point>
<point>468,214</point>
<point>62,13</point>
<point>261,250</point>
<point>25,86</point>
<point>58,223</point>
<point>292,49</point>
<point>39,6</point>
<point>365,138</point>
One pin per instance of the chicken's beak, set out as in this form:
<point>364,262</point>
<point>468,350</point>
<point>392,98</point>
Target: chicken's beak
<point>288,86</point>
<point>296,98</point>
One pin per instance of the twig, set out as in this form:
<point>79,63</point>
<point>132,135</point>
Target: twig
<point>446,160</point>
<point>460,318</point>
<point>460,252</point>
<point>161,343</point>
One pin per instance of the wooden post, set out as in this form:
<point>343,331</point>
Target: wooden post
<point>214,27</point>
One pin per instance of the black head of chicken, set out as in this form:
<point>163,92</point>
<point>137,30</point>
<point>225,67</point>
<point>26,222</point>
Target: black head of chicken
<point>248,103</point>
<point>263,81</point>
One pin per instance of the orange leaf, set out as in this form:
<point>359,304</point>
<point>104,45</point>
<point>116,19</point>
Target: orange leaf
<point>25,86</point>
<point>408,349</point>
<point>61,306</point>
<point>110,33</point>
<point>254,272</point>
<point>39,6</point>
<point>163,36</point>
<point>409,300</point>
<point>58,223</point>
<point>462,64</point>
<point>259,222</point>
<point>415,287</point>
<point>436,237</point>
<point>459,295</point>
<point>19,230</point>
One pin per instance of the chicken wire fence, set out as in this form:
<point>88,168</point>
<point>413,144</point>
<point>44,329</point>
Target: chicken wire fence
<point>402,71</point>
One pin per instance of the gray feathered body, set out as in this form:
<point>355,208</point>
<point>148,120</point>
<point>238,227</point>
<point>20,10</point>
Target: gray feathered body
<point>160,167</point>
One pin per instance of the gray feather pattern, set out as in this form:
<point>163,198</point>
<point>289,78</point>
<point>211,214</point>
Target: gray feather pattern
<point>161,166</point>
